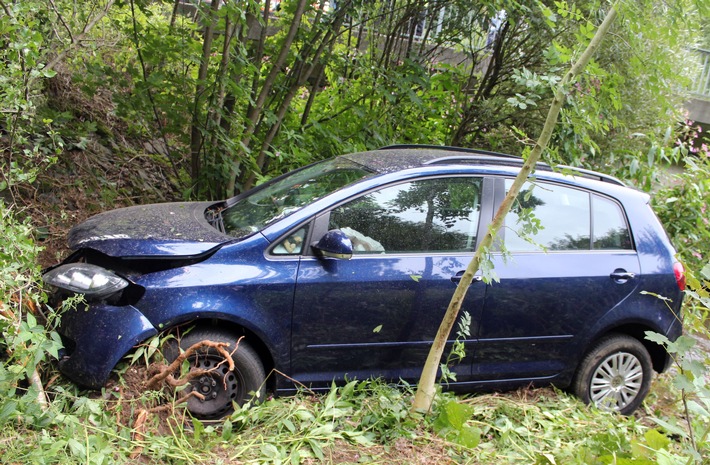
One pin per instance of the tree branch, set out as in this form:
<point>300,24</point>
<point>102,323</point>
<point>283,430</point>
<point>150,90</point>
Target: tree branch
<point>78,39</point>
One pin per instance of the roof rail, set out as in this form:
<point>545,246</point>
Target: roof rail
<point>592,174</point>
<point>485,153</point>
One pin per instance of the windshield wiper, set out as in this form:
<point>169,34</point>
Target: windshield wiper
<point>215,219</point>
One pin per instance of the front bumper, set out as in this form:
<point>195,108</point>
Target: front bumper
<point>97,336</point>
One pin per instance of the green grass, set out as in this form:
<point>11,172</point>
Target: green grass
<point>362,422</point>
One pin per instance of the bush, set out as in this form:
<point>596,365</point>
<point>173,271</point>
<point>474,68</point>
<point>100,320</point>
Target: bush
<point>683,209</point>
<point>25,342</point>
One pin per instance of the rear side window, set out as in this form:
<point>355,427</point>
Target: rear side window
<point>432,215</point>
<point>610,229</point>
<point>558,218</point>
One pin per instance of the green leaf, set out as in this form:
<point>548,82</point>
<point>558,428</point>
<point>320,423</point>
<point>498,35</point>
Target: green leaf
<point>197,429</point>
<point>658,338</point>
<point>358,437</point>
<point>77,449</point>
<point>705,272</point>
<point>453,415</point>
<point>316,448</point>
<point>656,440</point>
<point>683,383</point>
<point>296,457</point>
<point>288,424</point>
<point>227,430</point>
<point>651,156</point>
<point>8,409</point>
<point>270,451</point>
<point>670,427</point>
<point>546,459</point>
<point>469,436</point>
<point>31,320</point>
<point>377,329</point>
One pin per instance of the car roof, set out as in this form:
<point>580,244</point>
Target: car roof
<point>400,157</point>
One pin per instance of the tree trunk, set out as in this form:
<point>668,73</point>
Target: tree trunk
<point>196,133</point>
<point>319,44</point>
<point>257,109</point>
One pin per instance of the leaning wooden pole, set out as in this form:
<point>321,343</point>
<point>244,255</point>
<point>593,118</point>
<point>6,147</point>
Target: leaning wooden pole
<point>426,387</point>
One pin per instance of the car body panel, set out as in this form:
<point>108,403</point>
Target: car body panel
<point>552,300</point>
<point>231,288</point>
<point>157,230</point>
<point>376,316</point>
<point>106,333</point>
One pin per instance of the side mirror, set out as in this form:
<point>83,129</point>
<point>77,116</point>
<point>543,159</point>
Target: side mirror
<point>334,244</point>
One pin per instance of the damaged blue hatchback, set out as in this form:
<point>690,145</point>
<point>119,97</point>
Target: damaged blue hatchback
<point>344,269</point>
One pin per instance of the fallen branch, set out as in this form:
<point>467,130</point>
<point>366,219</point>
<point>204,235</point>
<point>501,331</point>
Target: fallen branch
<point>139,432</point>
<point>424,396</point>
<point>139,426</point>
<point>164,376</point>
<point>17,300</point>
<point>165,372</point>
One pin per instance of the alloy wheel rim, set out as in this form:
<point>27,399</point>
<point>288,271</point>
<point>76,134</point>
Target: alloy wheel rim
<point>616,381</point>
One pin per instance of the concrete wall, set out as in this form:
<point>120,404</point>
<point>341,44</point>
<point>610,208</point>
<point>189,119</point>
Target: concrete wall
<point>699,110</point>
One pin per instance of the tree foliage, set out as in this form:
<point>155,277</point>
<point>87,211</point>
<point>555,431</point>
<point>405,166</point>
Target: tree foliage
<point>250,93</point>
<point>236,94</point>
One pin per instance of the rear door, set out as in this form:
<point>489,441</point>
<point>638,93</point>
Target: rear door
<point>377,313</point>
<point>570,261</point>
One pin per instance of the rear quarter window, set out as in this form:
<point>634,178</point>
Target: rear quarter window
<point>611,231</point>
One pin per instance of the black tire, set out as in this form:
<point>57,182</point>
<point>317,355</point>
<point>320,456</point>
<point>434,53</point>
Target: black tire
<point>615,374</point>
<point>220,386</point>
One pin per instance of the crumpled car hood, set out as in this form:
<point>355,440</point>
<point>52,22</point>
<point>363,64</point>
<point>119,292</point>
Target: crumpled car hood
<point>169,229</point>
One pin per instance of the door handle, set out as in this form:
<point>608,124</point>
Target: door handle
<point>621,276</point>
<point>457,279</point>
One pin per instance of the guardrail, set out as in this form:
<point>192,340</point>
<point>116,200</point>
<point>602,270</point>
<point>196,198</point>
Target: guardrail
<point>701,85</point>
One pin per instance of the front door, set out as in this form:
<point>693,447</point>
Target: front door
<point>376,314</point>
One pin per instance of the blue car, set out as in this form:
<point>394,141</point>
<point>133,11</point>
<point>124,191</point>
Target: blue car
<point>343,270</point>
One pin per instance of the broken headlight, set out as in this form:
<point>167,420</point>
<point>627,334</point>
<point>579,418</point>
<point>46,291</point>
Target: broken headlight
<point>83,278</point>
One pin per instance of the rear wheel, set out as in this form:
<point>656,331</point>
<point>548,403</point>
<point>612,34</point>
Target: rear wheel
<point>219,386</point>
<point>615,374</point>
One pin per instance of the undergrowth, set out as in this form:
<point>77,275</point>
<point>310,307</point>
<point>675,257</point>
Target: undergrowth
<point>362,422</point>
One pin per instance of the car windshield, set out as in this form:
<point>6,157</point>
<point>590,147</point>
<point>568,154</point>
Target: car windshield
<point>289,194</point>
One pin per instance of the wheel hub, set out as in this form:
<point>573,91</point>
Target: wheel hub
<point>207,386</point>
<point>617,382</point>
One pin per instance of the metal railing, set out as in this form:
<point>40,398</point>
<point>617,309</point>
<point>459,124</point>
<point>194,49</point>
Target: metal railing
<point>701,85</point>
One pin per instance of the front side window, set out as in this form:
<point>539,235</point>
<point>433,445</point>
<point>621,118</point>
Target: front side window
<point>281,198</point>
<point>432,215</point>
<point>291,244</point>
<point>557,218</point>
